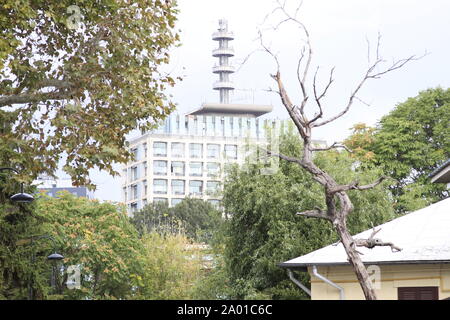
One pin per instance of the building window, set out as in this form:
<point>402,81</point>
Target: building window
<point>144,145</point>
<point>155,200</point>
<point>215,203</point>
<point>144,202</point>
<point>125,194</point>
<point>175,201</point>
<point>195,187</point>
<point>178,186</point>
<point>134,173</point>
<point>160,186</point>
<point>145,169</point>
<point>213,151</point>
<point>133,207</point>
<point>212,187</point>
<point>177,149</point>
<point>231,151</point>
<point>159,149</point>
<point>134,154</point>
<point>159,168</point>
<point>196,169</point>
<point>213,169</point>
<point>134,190</point>
<point>145,187</point>
<point>177,168</point>
<point>195,150</point>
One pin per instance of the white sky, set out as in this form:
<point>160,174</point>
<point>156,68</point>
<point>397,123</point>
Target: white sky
<point>338,31</point>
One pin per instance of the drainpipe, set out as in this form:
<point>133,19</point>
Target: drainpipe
<point>298,283</point>
<point>331,283</point>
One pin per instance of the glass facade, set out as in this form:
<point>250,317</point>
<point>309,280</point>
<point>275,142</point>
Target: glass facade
<point>160,168</point>
<point>212,187</point>
<point>177,186</point>
<point>231,151</point>
<point>134,173</point>
<point>160,200</point>
<point>160,149</point>
<point>213,169</point>
<point>176,201</point>
<point>214,202</point>
<point>213,151</point>
<point>177,149</point>
<point>196,169</point>
<point>160,186</point>
<point>195,187</point>
<point>195,150</point>
<point>177,168</point>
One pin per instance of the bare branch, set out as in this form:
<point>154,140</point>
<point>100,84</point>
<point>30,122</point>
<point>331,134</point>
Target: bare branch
<point>291,108</point>
<point>318,97</point>
<point>284,157</point>
<point>354,186</point>
<point>335,145</point>
<point>370,74</point>
<point>372,242</point>
<point>314,214</point>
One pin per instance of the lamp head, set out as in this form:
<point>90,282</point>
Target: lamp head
<point>55,257</point>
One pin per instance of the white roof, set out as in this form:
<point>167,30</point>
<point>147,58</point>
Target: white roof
<point>423,235</point>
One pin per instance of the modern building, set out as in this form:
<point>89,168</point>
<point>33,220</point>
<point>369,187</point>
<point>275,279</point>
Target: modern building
<point>187,155</point>
<point>52,186</point>
<point>420,271</point>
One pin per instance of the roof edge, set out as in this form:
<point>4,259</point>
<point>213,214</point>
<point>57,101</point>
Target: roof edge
<point>303,266</point>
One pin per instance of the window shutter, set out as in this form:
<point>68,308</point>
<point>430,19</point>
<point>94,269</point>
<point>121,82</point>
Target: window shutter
<point>418,293</point>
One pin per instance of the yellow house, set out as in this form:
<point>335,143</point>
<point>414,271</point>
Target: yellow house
<point>420,271</point>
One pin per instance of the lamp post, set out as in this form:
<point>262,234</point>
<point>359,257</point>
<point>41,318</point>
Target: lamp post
<point>21,197</point>
<point>54,257</point>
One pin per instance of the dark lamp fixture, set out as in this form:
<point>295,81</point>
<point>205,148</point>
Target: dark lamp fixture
<point>22,197</point>
<point>55,257</point>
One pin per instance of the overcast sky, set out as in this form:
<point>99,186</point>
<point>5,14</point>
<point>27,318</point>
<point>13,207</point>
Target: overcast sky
<point>339,33</point>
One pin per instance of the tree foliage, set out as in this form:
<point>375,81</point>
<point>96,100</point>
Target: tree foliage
<point>196,218</point>
<point>114,262</point>
<point>264,231</point>
<point>75,79</point>
<point>408,144</point>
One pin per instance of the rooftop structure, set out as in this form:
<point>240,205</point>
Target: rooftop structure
<point>52,186</point>
<point>442,173</point>
<point>423,235</point>
<point>224,68</point>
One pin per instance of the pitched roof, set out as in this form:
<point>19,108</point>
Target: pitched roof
<point>423,235</point>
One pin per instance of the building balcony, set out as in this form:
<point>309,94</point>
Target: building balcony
<point>223,85</point>
<point>226,69</point>
<point>223,35</point>
<point>227,52</point>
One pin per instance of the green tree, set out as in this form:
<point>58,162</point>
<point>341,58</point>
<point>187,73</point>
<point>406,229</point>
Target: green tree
<point>172,266</point>
<point>408,144</point>
<point>264,231</point>
<point>197,218</point>
<point>75,79</point>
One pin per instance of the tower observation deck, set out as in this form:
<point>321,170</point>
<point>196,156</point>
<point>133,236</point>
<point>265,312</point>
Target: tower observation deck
<point>224,68</point>
<point>224,84</point>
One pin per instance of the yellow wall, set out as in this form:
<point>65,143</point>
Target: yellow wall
<point>391,277</point>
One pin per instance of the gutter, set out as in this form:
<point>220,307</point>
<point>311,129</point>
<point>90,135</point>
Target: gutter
<point>331,283</point>
<point>298,283</point>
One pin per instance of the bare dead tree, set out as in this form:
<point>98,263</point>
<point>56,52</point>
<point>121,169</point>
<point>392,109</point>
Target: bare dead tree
<point>338,204</point>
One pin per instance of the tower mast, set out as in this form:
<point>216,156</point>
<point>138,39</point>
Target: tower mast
<point>224,68</point>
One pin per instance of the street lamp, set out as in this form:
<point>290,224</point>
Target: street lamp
<point>21,197</point>
<point>54,257</point>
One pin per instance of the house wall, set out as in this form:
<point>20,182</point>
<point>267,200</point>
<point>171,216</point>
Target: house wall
<point>391,277</point>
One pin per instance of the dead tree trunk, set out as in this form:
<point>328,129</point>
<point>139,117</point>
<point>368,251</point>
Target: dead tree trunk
<point>338,204</point>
